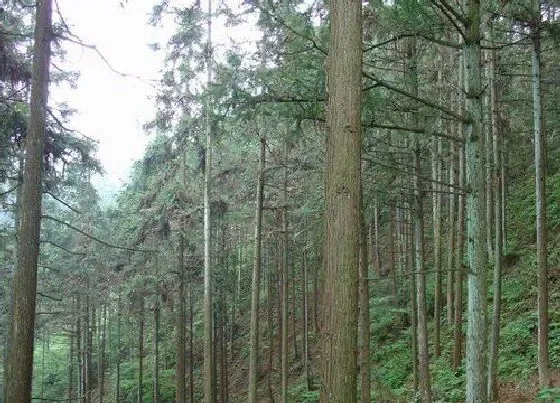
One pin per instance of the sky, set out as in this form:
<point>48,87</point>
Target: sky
<point>112,109</point>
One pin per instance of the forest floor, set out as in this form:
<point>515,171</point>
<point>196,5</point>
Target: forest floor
<point>514,392</point>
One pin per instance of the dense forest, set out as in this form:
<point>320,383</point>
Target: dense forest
<point>362,204</point>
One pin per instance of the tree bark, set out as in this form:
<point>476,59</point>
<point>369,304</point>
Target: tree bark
<point>255,286</point>
<point>437,171</point>
<point>364,309</point>
<point>208,369</point>
<point>284,394</point>
<point>342,203</point>
<point>180,322</point>
<point>140,384</point>
<point>20,359</point>
<point>476,362</point>
<point>451,237</point>
<point>418,225</point>
<point>459,268</point>
<point>540,193</point>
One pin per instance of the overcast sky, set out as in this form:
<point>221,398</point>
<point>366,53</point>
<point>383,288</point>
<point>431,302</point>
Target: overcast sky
<point>112,108</point>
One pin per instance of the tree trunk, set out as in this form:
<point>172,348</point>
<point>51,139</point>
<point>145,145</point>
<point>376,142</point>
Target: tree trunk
<point>285,363</point>
<point>540,193</point>
<point>364,309</point>
<point>377,237</point>
<point>180,329</point>
<point>391,247</point>
<point>155,352</point>
<point>102,363</point>
<point>191,343</point>
<point>476,212</point>
<point>208,369</point>
<point>140,384</point>
<point>305,316</point>
<point>118,375</point>
<point>342,203</point>
<point>459,268</point>
<point>20,360</point>
<point>413,303</point>
<point>255,285</point>
<point>437,171</point>
<point>270,328</point>
<point>451,244</point>
<point>498,242</point>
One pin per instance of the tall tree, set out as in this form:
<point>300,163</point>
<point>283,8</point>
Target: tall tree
<point>540,193</point>
<point>476,362</point>
<point>209,373</point>
<point>255,286</point>
<point>20,360</point>
<point>342,202</point>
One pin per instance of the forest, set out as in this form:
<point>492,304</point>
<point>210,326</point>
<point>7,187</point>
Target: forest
<point>363,204</point>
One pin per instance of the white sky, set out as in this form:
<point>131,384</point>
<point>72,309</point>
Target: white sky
<point>111,108</point>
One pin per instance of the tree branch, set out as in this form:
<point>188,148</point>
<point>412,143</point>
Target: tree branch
<point>102,242</point>
<point>424,101</point>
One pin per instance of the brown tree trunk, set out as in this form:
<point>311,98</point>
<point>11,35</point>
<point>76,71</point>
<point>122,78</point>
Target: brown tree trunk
<point>20,360</point>
<point>540,193</point>
<point>255,285</point>
<point>459,268</point>
<point>342,203</point>
<point>364,310</point>
<point>418,225</point>
<point>284,394</point>
<point>451,236</point>
<point>180,329</point>
<point>140,383</point>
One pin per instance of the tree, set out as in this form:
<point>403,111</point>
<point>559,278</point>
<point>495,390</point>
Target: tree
<point>476,362</point>
<point>540,192</point>
<point>20,360</point>
<point>342,203</point>
<point>209,390</point>
<point>255,284</point>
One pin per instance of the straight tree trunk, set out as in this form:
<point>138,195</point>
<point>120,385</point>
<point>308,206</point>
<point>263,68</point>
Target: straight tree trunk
<point>305,316</point>
<point>476,360</point>
<point>155,352</point>
<point>413,302</point>
<point>139,386</point>
<point>255,286</point>
<point>285,363</point>
<point>459,268</point>
<point>498,242</point>
<point>364,310</point>
<point>418,225</point>
<point>342,203</point>
<point>208,369</point>
<point>391,247</point>
<point>118,375</point>
<point>270,328</point>
<point>540,193</point>
<point>377,237</point>
<point>437,170</point>
<point>460,238</point>
<point>451,244</point>
<point>102,363</point>
<point>70,367</point>
<point>180,331</point>
<point>20,359</point>
<point>191,343</point>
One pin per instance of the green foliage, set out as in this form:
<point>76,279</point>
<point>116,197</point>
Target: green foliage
<point>298,392</point>
<point>551,395</point>
<point>448,384</point>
